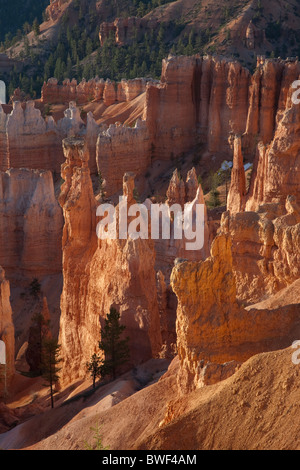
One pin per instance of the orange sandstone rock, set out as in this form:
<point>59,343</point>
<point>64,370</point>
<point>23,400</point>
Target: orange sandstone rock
<point>7,334</point>
<point>237,191</point>
<point>99,274</point>
<point>212,327</point>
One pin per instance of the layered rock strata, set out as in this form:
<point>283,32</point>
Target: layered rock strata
<point>203,101</point>
<point>212,99</point>
<point>276,167</point>
<point>121,149</point>
<point>265,249</point>
<point>212,327</point>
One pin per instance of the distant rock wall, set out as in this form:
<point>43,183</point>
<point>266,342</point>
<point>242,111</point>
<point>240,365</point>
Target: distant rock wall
<point>27,140</point>
<point>92,90</point>
<point>121,149</point>
<point>125,30</point>
<point>212,99</point>
<point>30,224</point>
<point>199,100</point>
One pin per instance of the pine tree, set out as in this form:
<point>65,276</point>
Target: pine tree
<point>116,350</point>
<point>214,199</point>
<point>38,331</point>
<point>50,361</point>
<point>36,27</point>
<point>94,368</point>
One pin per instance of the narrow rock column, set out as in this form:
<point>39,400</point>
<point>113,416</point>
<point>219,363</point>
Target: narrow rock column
<point>237,192</point>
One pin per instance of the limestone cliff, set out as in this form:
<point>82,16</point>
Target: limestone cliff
<point>276,168</point>
<point>199,100</point>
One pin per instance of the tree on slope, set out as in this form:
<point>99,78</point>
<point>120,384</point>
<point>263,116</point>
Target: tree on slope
<point>116,349</point>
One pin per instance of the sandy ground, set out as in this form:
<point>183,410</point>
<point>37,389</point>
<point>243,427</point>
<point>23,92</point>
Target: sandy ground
<point>257,408</point>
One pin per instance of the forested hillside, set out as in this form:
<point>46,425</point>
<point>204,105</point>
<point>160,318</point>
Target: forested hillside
<point>17,13</point>
<point>68,46</point>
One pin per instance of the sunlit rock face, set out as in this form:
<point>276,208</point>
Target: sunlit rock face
<point>213,329</point>
<point>7,334</point>
<point>99,274</point>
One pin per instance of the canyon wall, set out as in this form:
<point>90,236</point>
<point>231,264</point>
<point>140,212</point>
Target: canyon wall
<point>264,222</point>
<point>7,335</point>
<point>211,99</point>
<point>276,172</point>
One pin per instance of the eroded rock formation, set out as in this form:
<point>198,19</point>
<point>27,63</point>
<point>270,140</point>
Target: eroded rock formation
<point>212,327</point>
<point>27,140</point>
<point>99,274</point>
<point>182,193</point>
<point>199,100</point>
<point>265,247</point>
<point>121,149</point>
<point>237,193</point>
<point>30,224</point>
<point>276,167</point>
<point>125,30</point>
<point>92,90</point>
<point>54,10</point>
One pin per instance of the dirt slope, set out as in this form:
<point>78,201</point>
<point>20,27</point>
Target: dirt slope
<point>257,408</point>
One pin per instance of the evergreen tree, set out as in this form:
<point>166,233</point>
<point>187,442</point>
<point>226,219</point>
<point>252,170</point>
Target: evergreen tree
<point>94,368</point>
<point>116,350</point>
<point>35,288</point>
<point>38,332</point>
<point>50,361</point>
<point>214,199</point>
<point>36,27</point>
